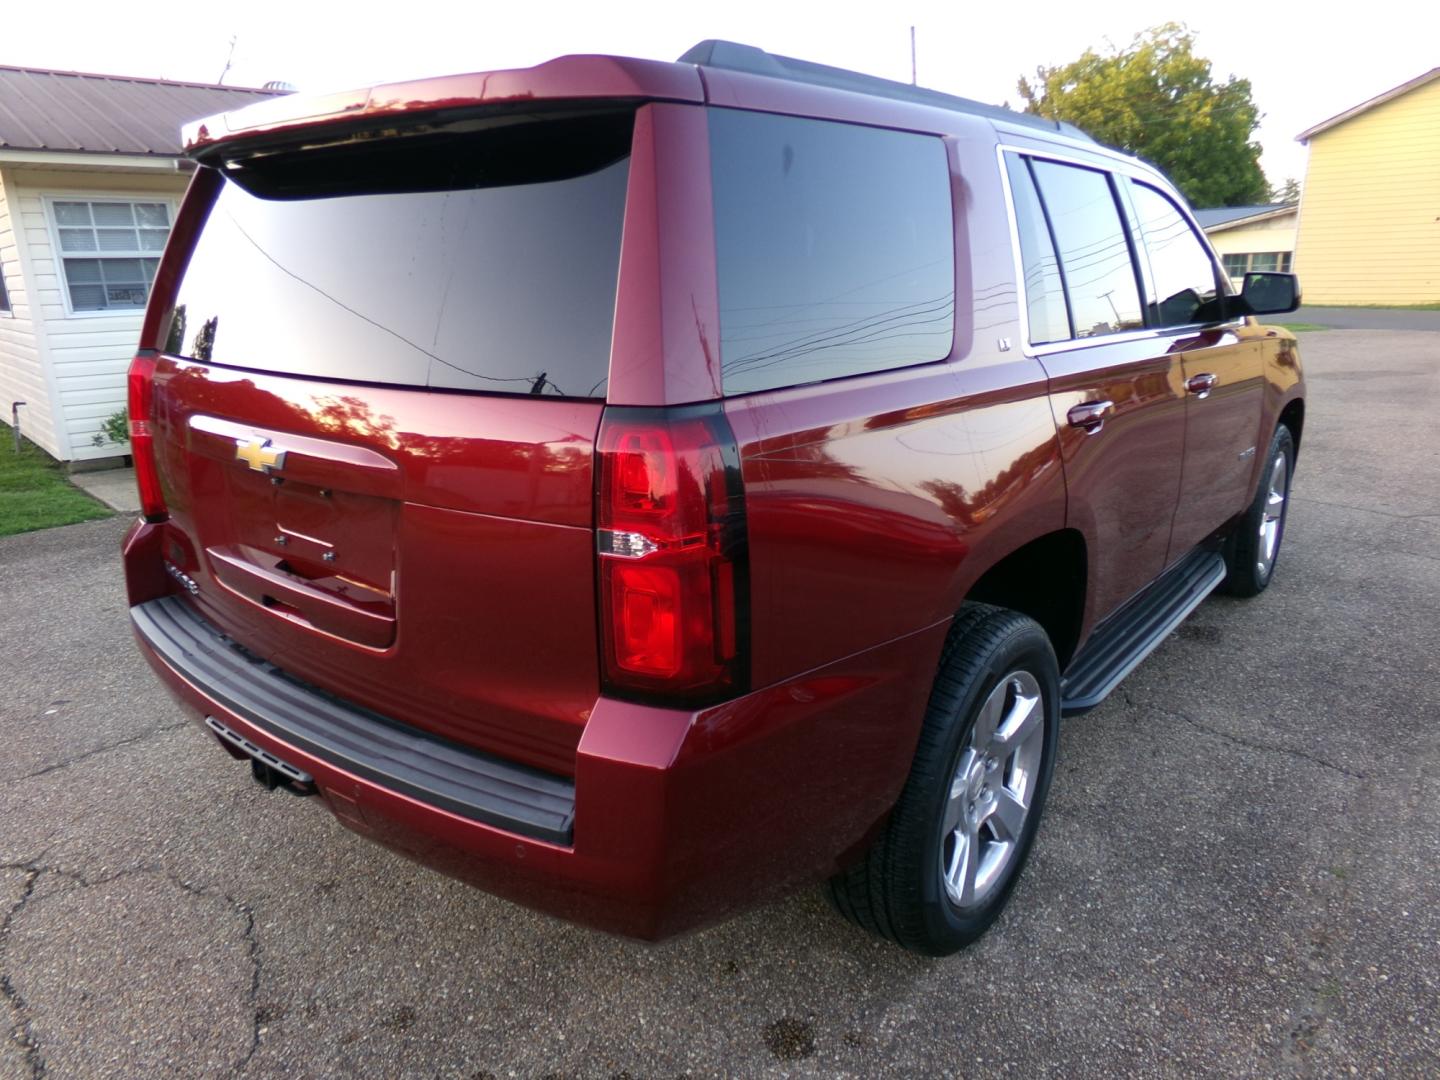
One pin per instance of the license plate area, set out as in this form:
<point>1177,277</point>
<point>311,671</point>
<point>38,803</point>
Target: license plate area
<point>311,537</point>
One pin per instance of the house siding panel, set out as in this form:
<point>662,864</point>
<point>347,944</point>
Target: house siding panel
<point>22,371</point>
<point>1370,215</point>
<point>88,353</point>
<point>1272,234</point>
<point>1277,234</point>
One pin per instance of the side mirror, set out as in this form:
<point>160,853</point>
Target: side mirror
<point>1266,293</point>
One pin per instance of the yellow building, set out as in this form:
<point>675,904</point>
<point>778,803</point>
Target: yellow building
<point>1369,228</point>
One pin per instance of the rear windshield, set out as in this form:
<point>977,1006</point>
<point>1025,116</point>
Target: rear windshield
<point>482,263</point>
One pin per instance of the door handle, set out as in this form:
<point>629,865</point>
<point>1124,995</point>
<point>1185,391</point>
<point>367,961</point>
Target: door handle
<point>1090,416</point>
<point>1201,385</point>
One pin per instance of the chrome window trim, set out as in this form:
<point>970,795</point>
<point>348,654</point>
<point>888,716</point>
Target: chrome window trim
<point>1006,130</point>
<point>1178,201</point>
<point>1133,170</point>
<point>1022,300</point>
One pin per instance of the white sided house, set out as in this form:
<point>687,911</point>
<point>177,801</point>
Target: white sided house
<point>90,179</point>
<point>1249,238</point>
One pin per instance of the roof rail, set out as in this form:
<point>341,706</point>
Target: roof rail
<point>733,56</point>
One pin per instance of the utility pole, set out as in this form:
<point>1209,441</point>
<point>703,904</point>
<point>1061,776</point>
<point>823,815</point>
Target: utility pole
<point>912,56</point>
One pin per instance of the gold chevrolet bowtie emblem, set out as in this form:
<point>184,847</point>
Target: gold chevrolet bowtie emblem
<point>259,455</point>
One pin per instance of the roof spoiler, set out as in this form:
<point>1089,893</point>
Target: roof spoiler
<point>566,78</point>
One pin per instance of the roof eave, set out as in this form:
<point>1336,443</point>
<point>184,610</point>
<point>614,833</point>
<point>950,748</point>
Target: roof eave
<point>1252,219</point>
<point>93,159</point>
<point>152,81</point>
<point>1366,106</point>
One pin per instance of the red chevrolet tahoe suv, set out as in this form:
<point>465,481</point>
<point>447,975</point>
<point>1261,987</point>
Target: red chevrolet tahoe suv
<point>641,489</point>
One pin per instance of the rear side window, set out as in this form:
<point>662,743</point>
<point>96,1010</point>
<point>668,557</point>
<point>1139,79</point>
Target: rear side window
<point>1184,274</point>
<point>835,249</point>
<point>469,264</point>
<point>1094,252</point>
<point>1044,291</point>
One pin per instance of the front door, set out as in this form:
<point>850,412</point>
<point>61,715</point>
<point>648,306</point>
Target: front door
<point>1223,373</point>
<point>1224,377</point>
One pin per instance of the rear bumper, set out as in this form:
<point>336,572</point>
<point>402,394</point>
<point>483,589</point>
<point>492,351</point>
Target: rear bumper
<point>673,818</point>
<point>468,783</point>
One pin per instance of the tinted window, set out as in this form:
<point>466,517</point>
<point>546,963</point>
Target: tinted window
<point>835,249</point>
<point>1094,254</point>
<point>1183,271</point>
<point>1044,293</point>
<point>458,283</point>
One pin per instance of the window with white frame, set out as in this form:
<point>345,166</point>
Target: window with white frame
<point>4,296</point>
<point>110,251</point>
<point>1239,264</point>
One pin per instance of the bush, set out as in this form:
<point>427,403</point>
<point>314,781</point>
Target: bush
<point>115,429</point>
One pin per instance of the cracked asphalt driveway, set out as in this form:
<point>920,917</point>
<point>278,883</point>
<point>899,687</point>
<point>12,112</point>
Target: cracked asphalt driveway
<point>1237,874</point>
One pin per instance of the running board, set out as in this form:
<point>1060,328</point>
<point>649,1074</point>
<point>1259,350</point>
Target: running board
<point>1135,631</point>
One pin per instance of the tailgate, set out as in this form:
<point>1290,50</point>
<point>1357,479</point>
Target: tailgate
<point>436,565</point>
<point>375,418</point>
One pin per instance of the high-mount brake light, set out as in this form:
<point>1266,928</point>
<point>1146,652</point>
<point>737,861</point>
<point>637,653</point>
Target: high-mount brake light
<point>672,555</point>
<point>139,401</point>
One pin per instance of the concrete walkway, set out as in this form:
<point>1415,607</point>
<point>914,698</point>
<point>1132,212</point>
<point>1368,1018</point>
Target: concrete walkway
<point>113,487</point>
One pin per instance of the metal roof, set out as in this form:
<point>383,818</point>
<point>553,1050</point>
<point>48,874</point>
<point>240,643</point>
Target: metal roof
<point>73,112</point>
<point>1365,106</point>
<point>1230,215</point>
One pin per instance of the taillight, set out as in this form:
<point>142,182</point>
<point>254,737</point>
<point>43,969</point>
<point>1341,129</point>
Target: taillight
<point>139,399</point>
<point>670,519</point>
<point>200,196</point>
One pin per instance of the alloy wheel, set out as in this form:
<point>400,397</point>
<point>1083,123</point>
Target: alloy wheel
<point>992,790</point>
<point>1272,521</point>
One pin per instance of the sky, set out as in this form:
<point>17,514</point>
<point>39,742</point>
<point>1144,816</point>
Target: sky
<point>1305,62</point>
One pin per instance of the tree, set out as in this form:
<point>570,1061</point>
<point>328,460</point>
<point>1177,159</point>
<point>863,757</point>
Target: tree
<point>1288,192</point>
<point>1157,99</point>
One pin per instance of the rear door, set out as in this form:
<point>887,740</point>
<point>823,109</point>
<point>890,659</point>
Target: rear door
<point>1224,375</point>
<point>1115,391</point>
<point>376,416</point>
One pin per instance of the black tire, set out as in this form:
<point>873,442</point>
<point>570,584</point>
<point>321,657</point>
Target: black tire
<point>1247,571</point>
<point>897,889</point>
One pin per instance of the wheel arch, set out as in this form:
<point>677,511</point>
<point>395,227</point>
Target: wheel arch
<point>1046,579</point>
<point>1293,417</point>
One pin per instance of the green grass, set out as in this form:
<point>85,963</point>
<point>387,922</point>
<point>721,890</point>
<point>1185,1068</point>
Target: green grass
<point>1383,307</point>
<point>1301,327</point>
<point>35,493</point>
